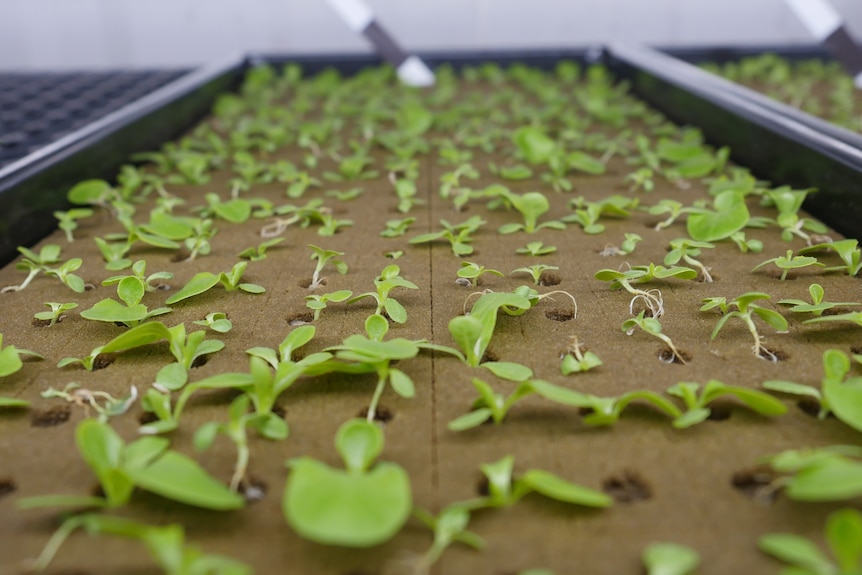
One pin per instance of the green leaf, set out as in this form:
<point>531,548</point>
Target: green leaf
<point>12,402</point>
<point>359,443</point>
<point>131,290</point>
<point>535,146</point>
<point>9,361</point>
<point>470,420</point>
<point>730,215</point>
<point>691,417</point>
<point>395,310</point>
<point>508,370</point>
<point>585,163</point>
<point>414,119</point>
<point>199,284</point>
<point>401,383</point>
<point>205,435</point>
<point>797,551</point>
<point>112,311</point>
<point>252,288</point>
<point>558,488</point>
<point>376,327</point>
<point>831,479</point>
<point>791,388</point>
<point>467,333</point>
<point>670,559</point>
<point>271,426</point>
<point>560,394</point>
<point>42,501</point>
<point>845,401</point>
<point>102,449</point>
<point>137,336</point>
<point>173,376</point>
<point>844,535</point>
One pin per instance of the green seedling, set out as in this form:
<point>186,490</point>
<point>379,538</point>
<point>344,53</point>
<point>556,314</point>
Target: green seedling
<point>204,281</point>
<point>115,254</point>
<point>535,272</point>
<point>345,195</point>
<point>470,272</point>
<point>68,220</point>
<point>852,317</point>
<point>165,543</point>
<point>130,290</point>
<point>576,360</point>
<point>451,186</point>
<point>641,179</point>
<point>473,332</point>
<point>330,225</point>
<point>457,235</point>
<point>788,202</point>
<point>394,255</point>
<point>843,534</point>
<point>652,326</point>
<point>838,394</point>
<point>298,181</point>
<point>628,246</point>
<point>686,250</point>
<point>746,245</point>
<point>323,257</point>
<point>531,206</point>
<point>536,249</point>
<point>817,305</point>
<point>147,464</point>
<point>847,250</point>
<point>832,473</point>
<point>373,354</point>
<point>406,191</point>
<point>236,429</point>
<point>789,262</point>
<point>34,263</point>
<point>362,506</point>
<point>10,358</point>
<point>587,214</point>
<point>284,354</point>
<point>697,409</point>
<point>669,559</point>
<point>235,211</point>
<point>673,209</point>
<point>257,253</point>
<point>395,228</point>
<point>199,241</point>
<point>652,299</point>
<point>745,310</point>
<point>353,168</point>
<point>319,302</point>
<point>103,403</point>
<point>152,282</point>
<point>56,314</point>
<point>516,172</point>
<point>312,212</point>
<point>490,405</point>
<point>388,280</point>
<point>216,321</point>
<point>534,145</point>
<point>94,193</point>
<point>730,214</point>
<point>449,526</point>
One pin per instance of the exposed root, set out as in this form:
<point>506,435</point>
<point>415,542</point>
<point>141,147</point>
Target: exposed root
<point>652,301</point>
<point>574,302</point>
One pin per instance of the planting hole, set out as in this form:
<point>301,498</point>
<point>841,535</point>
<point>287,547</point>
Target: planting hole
<point>560,314</point>
<point>810,406</point>
<point>147,417</point>
<point>856,349</point>
<point>303,318</point>
<point>7,486</point>
<point>719,412</point>
<point>756,484</point>
<point>200,361</point>
<point>771,354</point>
<point>700,277</point>
<point>41,322</point>
<point>253,489</point>
<point>383,414</point>
<point>102,361</point>
<point>665,355</point>
<point>181,256</point>
<point>483,487</point>
<point>489,356</point>
<point>629,487</point>
<point>549,279</point>
<point>279,411</point>
<point>52,417</point>
<point>307,282</point>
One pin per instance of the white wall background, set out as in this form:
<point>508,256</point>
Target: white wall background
<point>62,34</point>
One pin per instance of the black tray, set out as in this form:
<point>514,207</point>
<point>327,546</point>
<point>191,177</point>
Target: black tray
<point>773,145</point>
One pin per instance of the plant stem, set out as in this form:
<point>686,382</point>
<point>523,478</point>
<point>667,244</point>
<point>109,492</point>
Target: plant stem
<point>382,376</point>
<point>673,350</point>
<point>758,347</point>
<point>242,456</point>
<point>53,545</point>
<point>704,271</point>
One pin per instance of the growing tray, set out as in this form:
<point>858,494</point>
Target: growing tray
<point>536,532</point>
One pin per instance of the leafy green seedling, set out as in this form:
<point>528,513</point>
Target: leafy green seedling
<point>257,253</point>
<point>641,179</point>
<point>515,172</point>
<point>68,220</point>
<point>10,358</point>
<point>406,191</point>
<point>131,312</point>
<point>323,257</point>
<point>110,406</point>
<point>394,255</point>
<point>576,360</point>
<point>697,409</point>
<point>587,214</point>
<point>345,195</point>
<point>146,463</point>
<point>817,305</point>
<point>730,215</point>
<point>536,249</point>
<point>745,310</point>
<point>832,473</point>
<point>237,431</point>
<point>746,245</point>
<point>165,543</point>
<point>470,272</point>
<point>789,262</point>
<point>628,246</point>
<point>312,212</point>
<point>457,235</point>
<point>843,534</point>
<point>451,185</point>
<point>389,279</point>
<point>152,282</point>
<point>673,209</point>
<point>788,202</point>
<point>531,206</point>
<point>489,405</point>
<point>216,321</point>
<point>115,254</point>
<point>473,332</point>
<point>395,228</point>
<point>669,559</point>
<point>533,144</point>
<point>362,506</point>
<point>847,250</point>
<point>34,263</point>
<point>687,250</point>
<point>652,299</point>
<point>56,313</point>
<point>319,302</point>
<point>652,326</point>
<point>449,526</point>
<point>535,272</point>
<point>204,281</point>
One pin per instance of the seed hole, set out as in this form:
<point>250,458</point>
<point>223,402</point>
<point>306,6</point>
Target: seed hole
<point>560,314</point>
<point>147,417</point>
<point>702,279</point>
<point>306,283</point>
<point>629,487</point>
<point>756,484</point>
<point>549,279</point>
<point>7,486</point>
<point>279,411</point>
<point>837,311</point>
<point>201,360</point>
<point>810,406</point>
<point>771,354</point>
<point>383,414</point>
<point>103,360</point>
<point>40,322</point>
<point>483,487</point>
<point>856,349</point>
<point>253,489</point>
<point>719,412</point>
<point>665,355</point>
<point>303,318</point>
<point>489,356</point>
<point>51,417</point>
<point>181,256</point>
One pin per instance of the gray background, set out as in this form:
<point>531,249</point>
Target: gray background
<point>62,34</point>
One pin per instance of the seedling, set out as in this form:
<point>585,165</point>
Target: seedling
<point>847,250</point>
<point>319,302</point>
<point>730,214</point>
<point>449,526</point>
<point>628,246</point>
<point>362,506</point>
<point>817,305</point>
<point>204,281</point>
<point>451,186</point>
<point>535,272</point>
<point>652,299</point>
<point>652,326</point>
<point>696,406</point>
<point>746,245</point>
<point>516,172</point>
<point>131,312</point>
<point>576,360</point>
<point>832,473</point>
<point>745,310</point>
<point>151,282</point>
<point>789,262</point>
<point>165,543</point>
<point>313,211</point>
<point>68,220</point>
<point>843,534</point>
<point>686,250</point>
<point>394,255</point>
<point>470,272</point>
<point>323,257</point>
<point>257,253</point>
<point>216,321</point>
<point>236,430</point>
<point>673,209</point>
<point>669,559</point>
<point>457,235</point>
<point>114,254</point>
<point>146,463</point>
<point>788,202</point>
<point>531,206</point>
<point>56,314</point>
<point>489,405</point>
<point>388,280</point>
<point>405,190</point>
<point>641,179</point>
<point>110,406</point>
<point>331,225</point>
<point>33,263</point>
<point>587,214</point>
<point>536,249</point>
<point>395,228</point>
<point>473,332</point>
<point>10,358</point>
